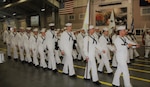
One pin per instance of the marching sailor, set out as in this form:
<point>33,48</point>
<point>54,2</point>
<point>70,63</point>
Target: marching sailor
<point>66,46</point>
<point>50,44</point>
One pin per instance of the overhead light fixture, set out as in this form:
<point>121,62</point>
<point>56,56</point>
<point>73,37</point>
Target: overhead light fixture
<point>6,6</point>
<point>9,5</point>
<point>14,14</point>
<point>43,9</point>
<point>4,0</point>
<point>21,1</point>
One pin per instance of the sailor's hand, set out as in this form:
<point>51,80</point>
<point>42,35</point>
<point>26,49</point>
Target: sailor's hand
<point>87,59</point>
<point>62,52</point>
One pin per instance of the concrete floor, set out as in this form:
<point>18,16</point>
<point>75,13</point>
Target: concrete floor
<point>16,74</point>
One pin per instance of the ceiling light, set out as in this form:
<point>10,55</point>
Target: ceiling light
<point>6,6</point>
<point>4,0</point>
<point>43,9</point>
<point>21,1</point>
<point>14,14</point>
<point>4,16</point>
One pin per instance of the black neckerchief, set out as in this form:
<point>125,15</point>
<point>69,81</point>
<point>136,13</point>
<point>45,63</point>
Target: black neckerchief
<point>35,38</point>
<point>82,35</point>
<point>43,39</point>
<point>108,40</point>
<point>93,39</point>
<point>21,34</point>
<point>28,36</point>
<point>15,34</point>
<point>52,33</point>
<point>124,40</point>
<point>70,36</point>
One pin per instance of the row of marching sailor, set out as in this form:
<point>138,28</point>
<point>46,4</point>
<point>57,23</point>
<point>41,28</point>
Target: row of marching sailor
<point>32,44</point>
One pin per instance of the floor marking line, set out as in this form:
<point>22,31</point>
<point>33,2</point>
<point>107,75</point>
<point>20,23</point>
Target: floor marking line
<point>132,77</point>
<point>81,77</point>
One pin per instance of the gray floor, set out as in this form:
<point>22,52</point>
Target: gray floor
<point>16,74</point>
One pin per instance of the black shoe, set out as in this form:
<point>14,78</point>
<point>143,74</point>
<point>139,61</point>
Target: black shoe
<point>129,63</point>
<point>49,68</point>
<point>97,83</point>
<point>114,85</point>
<point>86,79</point>
<point>114,66</point>
<point>9,57</point>
<point>65,73</point>
<point>111,73</point>
<point>45,69</point>
<point>137,57</point>
<point>100,71</point>
<point>30,64</point>
<point>55,70</point>
<point>73,75</point>
<point>37,66</point>
<point>16,59</point>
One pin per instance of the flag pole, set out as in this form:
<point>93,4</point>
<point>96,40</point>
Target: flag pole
<point>86,27</point>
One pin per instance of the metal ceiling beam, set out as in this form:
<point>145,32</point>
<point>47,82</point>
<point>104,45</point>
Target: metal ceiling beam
<point>33,7</point>
<point>4,13</point>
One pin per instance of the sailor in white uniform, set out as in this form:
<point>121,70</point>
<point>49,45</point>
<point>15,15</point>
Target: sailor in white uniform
<point>66,46</point>
<point>21,44</point>
<point>8,43</point>
<point>90,46</point>
<point>106,43</point>
<point>122,44</point>
<point>14,44</point>
<point>147,44</point>
<point>80,38</point>
<point>34,45</point>
<point>42,48</point>
<point>50,44</point>
<point>26,38</point>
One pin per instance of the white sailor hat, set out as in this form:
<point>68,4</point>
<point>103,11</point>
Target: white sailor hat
<point>43,29</point>
<point>51,24</point>
<point>64,28</point>
<point>21,28</point>
<point>96,27</point>
<point>121,28</point>
<point>14,27</point>
<point>91,27</point>
<point>68,24</point>
<point>105,29</point>
<point>28,28</point>
<point>35,29</point>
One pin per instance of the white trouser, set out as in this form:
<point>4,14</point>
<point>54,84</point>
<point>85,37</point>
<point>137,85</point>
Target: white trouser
<point>28,55</point>
<point>104,61</point>
<point>122,68</point>
<point>131,53</point>
<point>15,52</point>
<point>42,59</point>
<point>136,53</point>
<point>35,59</point>
<point>81,54</point>
<point>51,59</point>
<point>91,66</point>
<point>128,57</point>
<point>57,58</point>
<point>21,53</point>
<point>114,61</point>
<point>97,57</point>
<point>68,64</point>
<point>74,54</point>
<point>8,50</point>
<point>147,50</point>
